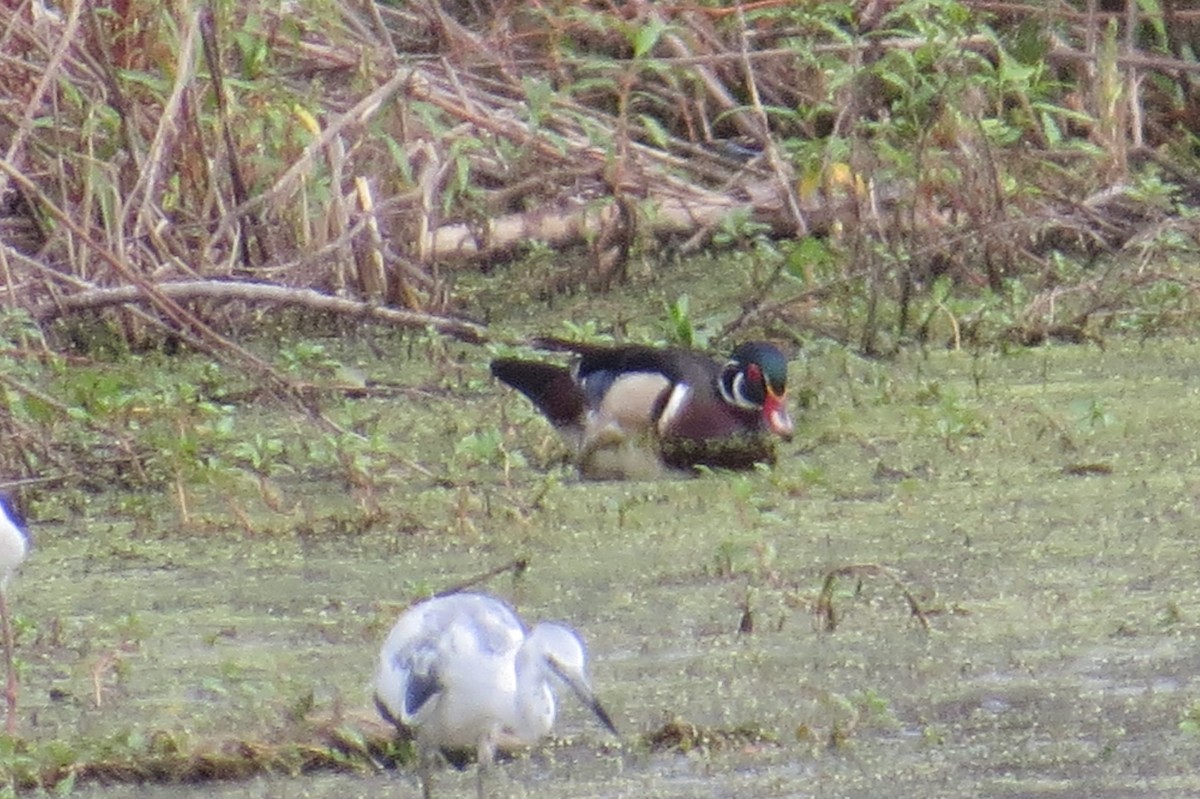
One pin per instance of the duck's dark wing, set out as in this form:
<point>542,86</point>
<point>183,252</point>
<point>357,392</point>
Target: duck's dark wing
<point>551,388</point>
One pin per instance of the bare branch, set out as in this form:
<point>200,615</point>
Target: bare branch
<point>228,291</point>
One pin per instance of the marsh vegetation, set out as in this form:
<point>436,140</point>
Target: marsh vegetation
<point>1039,505</point>
<point>253,267</point>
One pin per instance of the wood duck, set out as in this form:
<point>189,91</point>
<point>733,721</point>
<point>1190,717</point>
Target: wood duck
<point>629,411</point>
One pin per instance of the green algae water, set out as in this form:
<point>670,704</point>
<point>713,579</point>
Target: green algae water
<point>1041,507</point>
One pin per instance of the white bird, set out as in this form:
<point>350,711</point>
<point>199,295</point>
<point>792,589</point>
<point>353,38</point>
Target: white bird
<point>14,545</point>
<point>462,672</point>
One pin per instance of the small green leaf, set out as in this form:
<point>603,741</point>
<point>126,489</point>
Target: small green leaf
<point>655,132</point>
<point>646,37</point>
<point>808,254</point>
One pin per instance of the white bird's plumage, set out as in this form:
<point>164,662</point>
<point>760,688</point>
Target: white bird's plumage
<point>14,541</point>
<point>461,672</point>
<point>14,546</point>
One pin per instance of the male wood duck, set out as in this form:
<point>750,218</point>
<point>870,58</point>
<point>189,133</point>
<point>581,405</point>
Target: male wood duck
<point>630,411</point>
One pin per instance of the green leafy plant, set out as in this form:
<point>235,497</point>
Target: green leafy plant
<point>679,322</point>
<point>488,447</point>
<point>1091,415</point>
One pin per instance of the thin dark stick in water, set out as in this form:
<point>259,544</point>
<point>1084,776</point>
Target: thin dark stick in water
<point>517,567</point>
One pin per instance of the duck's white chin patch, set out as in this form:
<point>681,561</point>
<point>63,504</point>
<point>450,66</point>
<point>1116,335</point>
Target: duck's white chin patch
<point>780,421</point>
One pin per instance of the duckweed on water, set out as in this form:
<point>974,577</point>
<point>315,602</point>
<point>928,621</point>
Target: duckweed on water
<point>1063,658</point>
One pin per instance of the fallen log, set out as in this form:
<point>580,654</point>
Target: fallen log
<point>665,216</point>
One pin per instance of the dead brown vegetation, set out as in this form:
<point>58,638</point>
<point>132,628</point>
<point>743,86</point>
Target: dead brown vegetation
<point>346,160</point>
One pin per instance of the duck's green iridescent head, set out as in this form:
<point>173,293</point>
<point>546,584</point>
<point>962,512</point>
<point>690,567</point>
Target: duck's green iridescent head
<point>756,377</point>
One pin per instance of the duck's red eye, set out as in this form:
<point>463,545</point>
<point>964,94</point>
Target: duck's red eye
<point>754,374</point>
